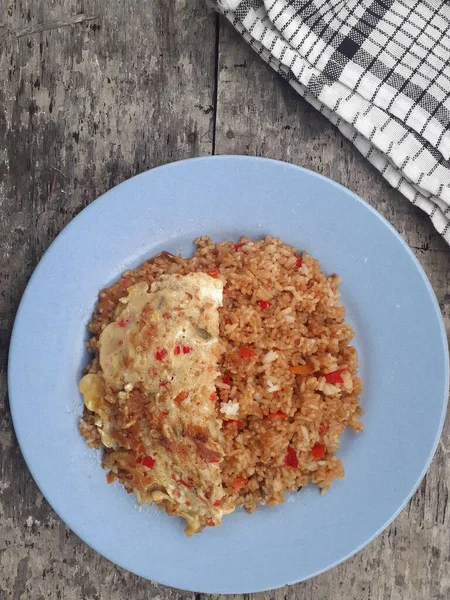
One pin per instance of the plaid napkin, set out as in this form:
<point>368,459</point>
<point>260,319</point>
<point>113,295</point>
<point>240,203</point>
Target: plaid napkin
<point>377,69</point>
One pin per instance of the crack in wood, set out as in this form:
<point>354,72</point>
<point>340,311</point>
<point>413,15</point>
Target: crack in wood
<point>49,25</point>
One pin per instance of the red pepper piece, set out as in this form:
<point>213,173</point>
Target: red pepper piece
<point>264,304</point>
<point>335,376</point>
<point>186,484</point>
<point>238,483</point>
<point>181,396</point>
<point>148,462</point>
<point>237,246</point>
<point>247,352</point>
<point>299,261</point>
<point>291,460</point>
<point>177,350</point>
<point>187,349</point>
<point>124,322</point>
<point>160,354</point>
<point>214,273</point>
<point>278,415</point>
<point>318,451</point>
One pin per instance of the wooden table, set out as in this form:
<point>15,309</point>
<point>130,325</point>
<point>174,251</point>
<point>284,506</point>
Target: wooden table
<point>94,92</point>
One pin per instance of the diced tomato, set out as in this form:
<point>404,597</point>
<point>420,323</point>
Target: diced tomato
<point>264,304</point>
<point>139,460</point>
<point>148,462</point>
<point>214,273</point>
<point>299,261</point>
<point>278,415</point>
<point>335,376</point>
<point>291,460</point>
<point>160,354</point>
<point>238,483</point>
<point>218,502</point>
<point>226,379</point>
<point>237,246</point>
<point>323,428</point>
<point>187,349</point>
<point>247,352</point>
<point>318,451</point>
<point>177,350</point>
<point>213,397</point>
<point>186,484</point>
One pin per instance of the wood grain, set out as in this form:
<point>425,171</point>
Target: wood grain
<point>86,105</point>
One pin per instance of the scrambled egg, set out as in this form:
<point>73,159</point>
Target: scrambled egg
<point>154,396</point>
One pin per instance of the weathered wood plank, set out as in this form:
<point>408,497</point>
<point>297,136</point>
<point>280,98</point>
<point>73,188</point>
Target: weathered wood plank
<point>83,106</point>
<point>258,113</point>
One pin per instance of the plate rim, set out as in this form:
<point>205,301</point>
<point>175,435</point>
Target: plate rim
<point>225,157</point>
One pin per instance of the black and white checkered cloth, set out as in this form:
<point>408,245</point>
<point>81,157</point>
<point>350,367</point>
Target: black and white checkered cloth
<point>377,69</point>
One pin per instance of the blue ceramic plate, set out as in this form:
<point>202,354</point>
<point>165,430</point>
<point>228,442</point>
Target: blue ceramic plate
<point>399,336</point>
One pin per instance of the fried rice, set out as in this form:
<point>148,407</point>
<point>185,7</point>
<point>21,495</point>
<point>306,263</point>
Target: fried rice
<point>288,385</point>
